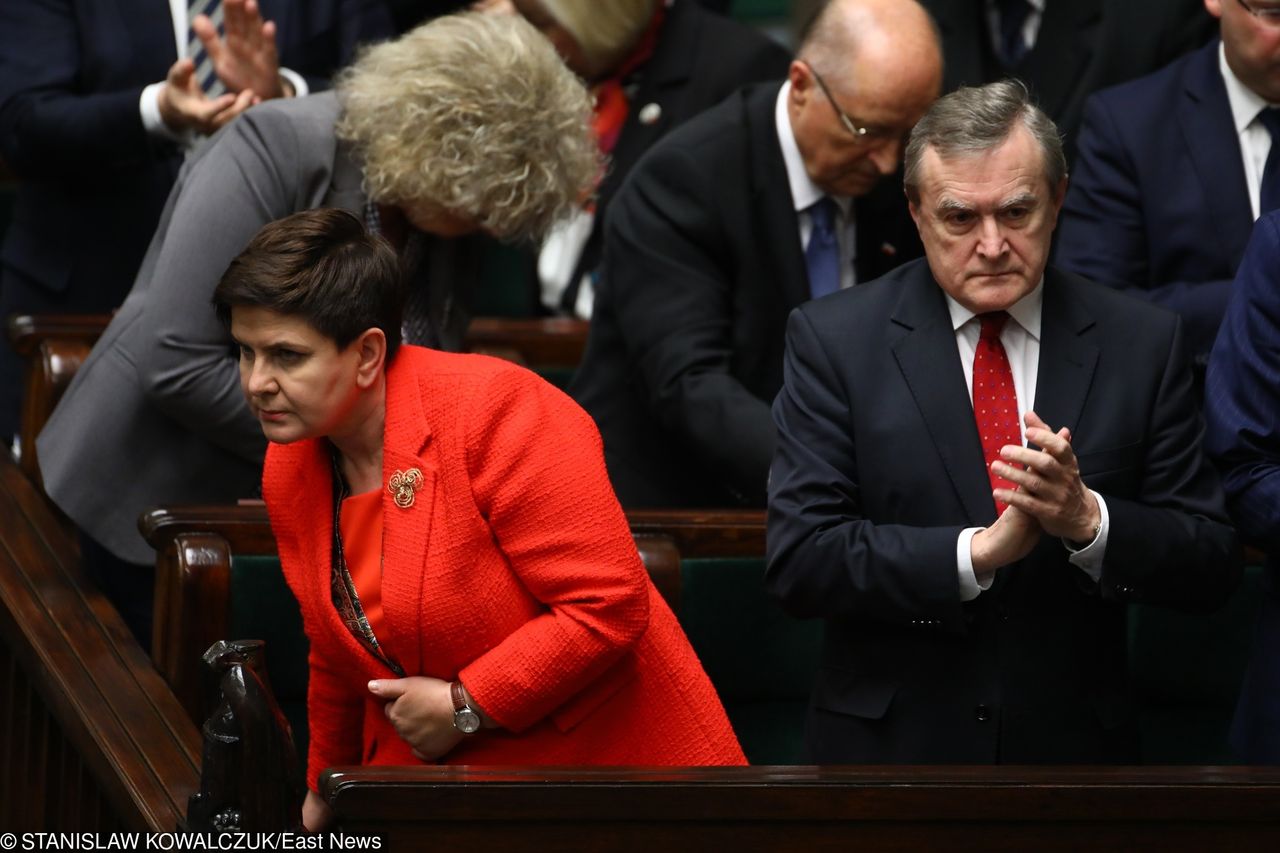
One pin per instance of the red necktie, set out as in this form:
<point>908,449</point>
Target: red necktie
<point>995,403</point>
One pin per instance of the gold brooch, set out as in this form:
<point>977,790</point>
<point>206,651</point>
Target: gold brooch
<point>403,484</point>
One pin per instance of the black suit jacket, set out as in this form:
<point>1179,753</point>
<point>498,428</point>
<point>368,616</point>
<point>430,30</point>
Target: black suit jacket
<point>879,468</point>
<point>1082,46</point>
<point>702,264</point>
<point>92,181</point>
<point>700,59</point>
<point>1158,203</point>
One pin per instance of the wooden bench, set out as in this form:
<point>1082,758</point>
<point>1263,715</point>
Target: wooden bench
<point>836,809</point>
<point>54,347</point>
<point>91,738</point>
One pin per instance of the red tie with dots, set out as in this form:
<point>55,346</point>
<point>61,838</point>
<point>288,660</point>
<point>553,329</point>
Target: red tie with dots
<point>995,403</point>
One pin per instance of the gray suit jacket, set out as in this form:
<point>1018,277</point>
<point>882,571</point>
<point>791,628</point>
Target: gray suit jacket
<point>155,416</point>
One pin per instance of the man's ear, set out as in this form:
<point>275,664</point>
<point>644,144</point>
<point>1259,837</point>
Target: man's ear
<point>801,79</point>
<point>371,347</point>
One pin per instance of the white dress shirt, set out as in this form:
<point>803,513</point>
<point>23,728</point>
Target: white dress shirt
<point>1021,339</point>
<point>1030,27</point>
<point>805,193</point>
<point>1255,141</point>
<point>149,103</point>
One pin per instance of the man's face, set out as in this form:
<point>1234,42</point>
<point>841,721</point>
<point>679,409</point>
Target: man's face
<point>986,220</point>
<point>1252,43</point>
<point>888,104</point>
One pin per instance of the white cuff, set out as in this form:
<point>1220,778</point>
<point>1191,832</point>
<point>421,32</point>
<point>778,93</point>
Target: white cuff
<point>299,83</point>
<point>1089,558</point>
<point>970,588</point>
<point>149,108</point>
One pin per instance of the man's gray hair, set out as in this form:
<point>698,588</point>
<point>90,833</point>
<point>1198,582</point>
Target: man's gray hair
<point>979,118</point>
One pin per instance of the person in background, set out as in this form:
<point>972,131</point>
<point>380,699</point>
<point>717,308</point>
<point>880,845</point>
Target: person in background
<point>1064,50</point>
<point>773,196</point>
<point>469,122</point>
<point>468,583</point>
<point>981,462</point>
<point>651,65</point>
<point>99,102</point>
<point>1175,167</point>
<point>1242,408</point>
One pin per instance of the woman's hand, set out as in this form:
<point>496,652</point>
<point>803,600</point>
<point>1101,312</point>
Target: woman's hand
<point>316,814</point>
<point>421,709</point>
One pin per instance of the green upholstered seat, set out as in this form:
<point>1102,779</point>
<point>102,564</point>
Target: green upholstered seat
<point>1186,670</point>
<point>263,608</point>
<point>761,660</point>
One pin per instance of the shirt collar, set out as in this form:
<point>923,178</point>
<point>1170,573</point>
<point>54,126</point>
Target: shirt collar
<point>1026,311</point>
<point>1245,103</point>
<point>804,192</point>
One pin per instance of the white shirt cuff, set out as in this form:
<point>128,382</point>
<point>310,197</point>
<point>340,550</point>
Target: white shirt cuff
<point>299,83</point>
<point>970,588</point>
<point>149,107</point>
<point>1089,558</point>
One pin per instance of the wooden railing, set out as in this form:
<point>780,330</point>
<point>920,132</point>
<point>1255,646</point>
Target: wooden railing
<point>91,738</point>
<point>838,809</point>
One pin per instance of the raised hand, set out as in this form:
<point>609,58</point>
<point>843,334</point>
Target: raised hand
<point>246,58</point>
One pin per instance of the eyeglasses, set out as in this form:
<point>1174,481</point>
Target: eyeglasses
<point>864,134</point>
<point>1267,14</point>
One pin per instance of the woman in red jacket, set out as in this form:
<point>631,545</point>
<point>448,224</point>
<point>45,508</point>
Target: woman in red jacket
<point>467,580</point>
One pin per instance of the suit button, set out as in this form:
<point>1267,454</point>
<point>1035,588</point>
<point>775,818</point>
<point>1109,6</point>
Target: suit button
<point>982,713</point>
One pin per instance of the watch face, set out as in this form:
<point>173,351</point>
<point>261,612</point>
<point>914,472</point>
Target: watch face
<point>466,721</point>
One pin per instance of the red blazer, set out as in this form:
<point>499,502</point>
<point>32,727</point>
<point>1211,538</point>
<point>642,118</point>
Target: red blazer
<point>514,569</point>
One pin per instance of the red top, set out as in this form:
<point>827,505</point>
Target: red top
<point>512,569</point>
<point>361,526</point>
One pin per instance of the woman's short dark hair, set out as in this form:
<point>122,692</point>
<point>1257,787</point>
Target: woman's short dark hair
<point>321,265</point>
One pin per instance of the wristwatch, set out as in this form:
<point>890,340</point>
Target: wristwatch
<point>465,718</point>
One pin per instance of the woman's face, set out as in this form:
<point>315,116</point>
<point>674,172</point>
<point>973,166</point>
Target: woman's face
<point>296,380</point>
<point>566,45</point>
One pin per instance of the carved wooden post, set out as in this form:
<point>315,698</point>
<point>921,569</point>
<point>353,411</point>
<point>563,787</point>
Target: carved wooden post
<point>249,779</point>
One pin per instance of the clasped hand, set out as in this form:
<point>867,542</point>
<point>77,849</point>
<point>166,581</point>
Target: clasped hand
<point>1050,497</point>
<point>421,710</point>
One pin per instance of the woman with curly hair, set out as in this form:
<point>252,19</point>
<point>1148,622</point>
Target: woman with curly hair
<point>468,123</point>
<point>468,583</point>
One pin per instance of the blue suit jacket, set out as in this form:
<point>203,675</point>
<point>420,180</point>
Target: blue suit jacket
<point>879,467</point>
<point>92,181</point>
<point>1243,412</point>
<point>1158,203</point>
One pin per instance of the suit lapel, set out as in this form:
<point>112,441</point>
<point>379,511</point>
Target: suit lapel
<point>927,356</point>
<point>1208,131</point>
<point>406,531</point>
<point>1067,357</point>
<point>775,220</point>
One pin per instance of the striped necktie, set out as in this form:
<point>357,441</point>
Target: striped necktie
<point>208,78</point>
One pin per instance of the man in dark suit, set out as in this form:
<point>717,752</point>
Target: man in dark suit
<point>1170,175</point>
<point>973,556</point>
<point>1064,50</point>
<point>1243,413</point>
<point>97,103</point>
<point>727,224</point>
<point>685,60</point>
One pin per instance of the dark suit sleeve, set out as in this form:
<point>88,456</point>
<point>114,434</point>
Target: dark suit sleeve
<point>350,23</point>
<point>1103,234</point>
<point>670,269</point>
<point>1243,391</point>
<point>825,558</point>
<point>1171,542</point>
<point>50,127</point>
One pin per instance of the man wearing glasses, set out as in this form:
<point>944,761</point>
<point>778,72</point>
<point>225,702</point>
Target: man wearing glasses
<point>773,197</point>
<point>1174,168</point>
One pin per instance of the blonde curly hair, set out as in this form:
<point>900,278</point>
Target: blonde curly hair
<point>474,115</point>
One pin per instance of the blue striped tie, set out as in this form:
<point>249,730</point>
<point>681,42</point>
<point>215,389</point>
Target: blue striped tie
<point>205,74</point>
<point>1269,197</point>
<point>822,255</point>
